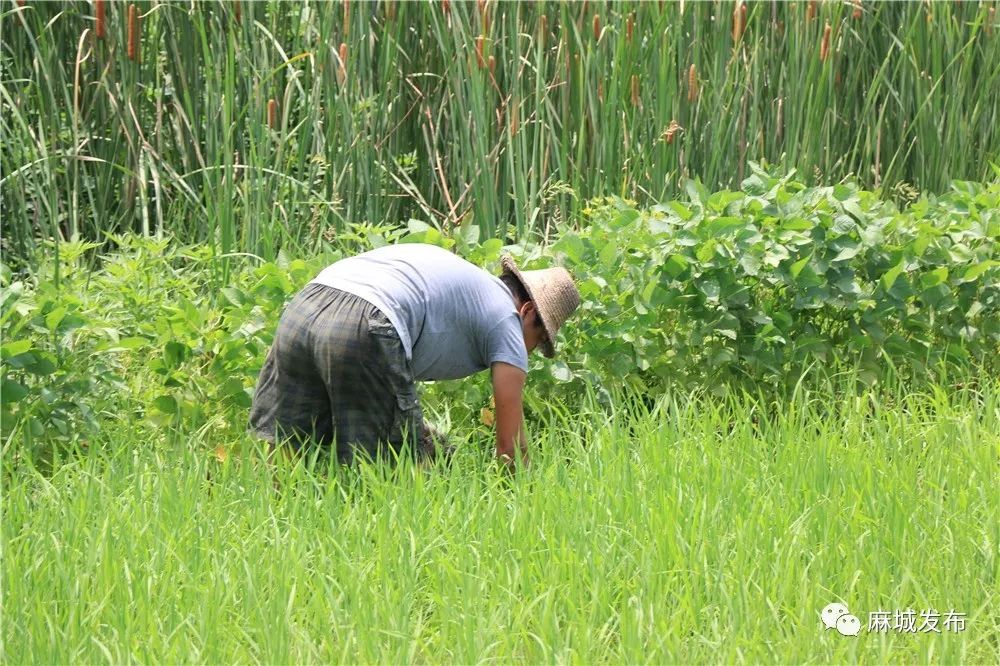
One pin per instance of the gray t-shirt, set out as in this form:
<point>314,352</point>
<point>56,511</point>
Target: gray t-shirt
<point>453,318</point>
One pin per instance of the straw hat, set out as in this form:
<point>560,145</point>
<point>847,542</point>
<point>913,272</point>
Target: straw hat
<point>554,294</point>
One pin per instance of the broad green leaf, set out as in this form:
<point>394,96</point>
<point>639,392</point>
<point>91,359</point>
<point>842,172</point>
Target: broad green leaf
<point>722,226</point>
<point>719,201</point>
<point>572,246</point>
<point>797,224</point>
<point>675,265</point>
<point>11,391</point>
<point>22,361</point>
<point>468,232</point>
<point>14,348</point>
<point>625,218</point>
<point>890,276</point>
<point>934,278</point>
<point>682,211</point>
<point>847,253</point>
<point>43,365</point>
<point>166,404</point>
<point>54,318</point>
<point>608,255</point>
<point>797,267</point>
<point>491,245</point>
<point>707,250</point>
<point>710,288</point>
<point>973,273</point>
<point>417,226</point>
<point>234,296</point>
<point>561,371</point>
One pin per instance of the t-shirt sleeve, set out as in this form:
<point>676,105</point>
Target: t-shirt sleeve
<point>504,343</point>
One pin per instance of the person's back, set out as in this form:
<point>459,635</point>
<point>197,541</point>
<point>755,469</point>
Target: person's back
<point>453,318</point>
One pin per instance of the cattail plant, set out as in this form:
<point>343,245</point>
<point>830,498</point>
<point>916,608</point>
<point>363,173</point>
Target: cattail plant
<point>629,26</point>
<point>635,90</point>
<point>692,83</point>
<point>347,17</point>
<point>811,11</point>
<point>446,7</point>
<point>342,65</point>
<point>272,113</point>
<point>543,29</point>
<point>237,11</point>
<point>492,63</point>
<point>597,27</point>
<point>99,27</point>
<point>485,13</point>
<point>739,21</point>
<point>133,33</point>
<point>824,46</point>
<point>480,61</point>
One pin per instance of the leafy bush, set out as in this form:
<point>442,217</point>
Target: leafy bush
<point>756,286</point>
<point>746,288</point>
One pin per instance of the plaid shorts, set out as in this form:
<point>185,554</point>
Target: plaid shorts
<point>336,375</point>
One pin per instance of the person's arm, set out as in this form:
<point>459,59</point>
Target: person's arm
<point>508,390</point>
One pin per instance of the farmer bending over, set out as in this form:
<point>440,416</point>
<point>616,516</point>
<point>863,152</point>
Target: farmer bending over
<point>351,344</point>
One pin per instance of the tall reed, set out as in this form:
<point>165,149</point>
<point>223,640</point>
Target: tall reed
<point>506,116</point>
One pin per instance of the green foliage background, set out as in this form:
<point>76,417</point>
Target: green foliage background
<point>511,115</point>
<point>746,290</point>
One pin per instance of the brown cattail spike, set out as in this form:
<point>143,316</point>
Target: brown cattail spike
<point>237,11</point>
<point>133,32</point>
<point>347,17</point>
<point>100,26</point>
<point>635,90</point>
<point>811,11</point>
<point>824,47</point>
<point>480,60</point>
<point>597,27</point>
<point>629,26</point>
<point>272,113</point>
<point>446,7</point>
<point>543,28</point>
<point>342,66</point>
<point>692,84</point>
<point>739,18</point>
<point>493,66</point>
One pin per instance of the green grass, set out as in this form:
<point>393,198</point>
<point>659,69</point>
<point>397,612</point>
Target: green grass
<point>701,530</point>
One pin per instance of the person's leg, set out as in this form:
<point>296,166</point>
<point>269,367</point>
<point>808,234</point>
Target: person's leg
<point>368,380</point>
<point>290,403</point>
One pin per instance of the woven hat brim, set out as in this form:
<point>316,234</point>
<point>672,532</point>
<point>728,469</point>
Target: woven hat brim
<point>548,346</point>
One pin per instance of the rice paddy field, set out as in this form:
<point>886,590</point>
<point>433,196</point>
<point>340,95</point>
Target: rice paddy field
<point>692,530</point>
<point>772,433</point>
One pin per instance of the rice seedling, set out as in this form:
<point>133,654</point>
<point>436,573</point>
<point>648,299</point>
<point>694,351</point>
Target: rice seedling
<point>692,529</point>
